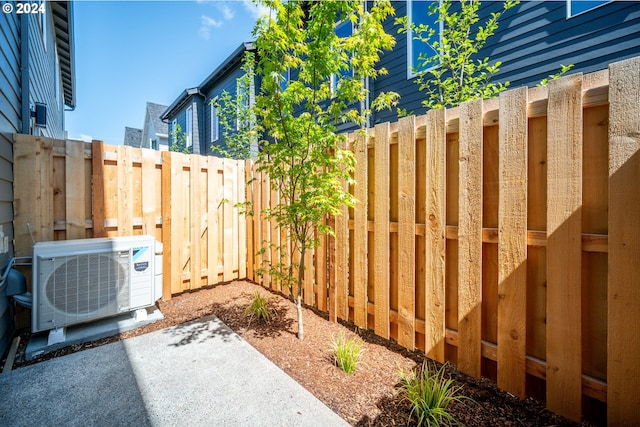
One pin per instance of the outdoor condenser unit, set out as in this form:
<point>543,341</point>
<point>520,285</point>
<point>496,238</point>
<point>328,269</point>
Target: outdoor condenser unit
<point>76,281</point>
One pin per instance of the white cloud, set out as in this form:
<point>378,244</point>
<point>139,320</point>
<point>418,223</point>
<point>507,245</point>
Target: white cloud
<point>253,9</point>
<point>226,11</point>
<point>207,23</point>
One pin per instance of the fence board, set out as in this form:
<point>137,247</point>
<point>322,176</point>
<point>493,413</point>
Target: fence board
<point>623,365</point>
<point>360,233</point>
<point>168,275</point>
<point>381,230</point>
<point>435,235</point>
<point>75,203</point>
<point>149,185</point>
<point>125,191</point>
<point>241,194</point>
<point>230,235</point>
<point>564,246</point>
<point>98,188</point>
<point>195,230</point>
<point>341,261</point>
<point>406,232</point>
<point>470,239</point>
<point>512,242</point>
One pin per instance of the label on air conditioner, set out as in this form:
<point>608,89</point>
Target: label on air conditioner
<point>141,266</point>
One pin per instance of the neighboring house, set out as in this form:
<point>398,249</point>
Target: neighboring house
<point>132,137</point>
<point>155,133</point>
<point>532,40</point>
<point>193,110</point>
<point>36,75</point>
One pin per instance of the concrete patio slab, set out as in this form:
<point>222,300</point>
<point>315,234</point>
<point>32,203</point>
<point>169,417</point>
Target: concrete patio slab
<point>197,374</point>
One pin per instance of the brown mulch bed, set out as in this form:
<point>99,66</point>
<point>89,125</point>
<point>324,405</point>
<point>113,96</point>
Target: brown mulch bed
<point>367,397</point>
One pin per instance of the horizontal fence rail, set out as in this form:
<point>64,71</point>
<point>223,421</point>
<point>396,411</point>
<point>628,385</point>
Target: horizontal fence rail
<point>502,235</point>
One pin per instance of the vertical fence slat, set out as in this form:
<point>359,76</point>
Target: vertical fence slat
<point>321,269</point>
<point>248,178</point>
<point>125,190</point>
<point>435,234</point>
<point>167,224</point>
<point>196,222</point>
<point>229,246</point>
<point>623,296</point>
<point>265,192</point>
<point>470,239</point>
<point>149,202</point>
<point>512,242</point>
<point>564,246</point>
<point>242,220</point>
<point>213,237</point>
<point>274,240</point>
<point>45,213</point>
<point>98,187</point>
<point>381,230</point>
<point>74,200</point>
<point>257,221</point>
<point>360,233</point>
<point>308,275</point>
<point>342,262</point>
<point>406,231</point>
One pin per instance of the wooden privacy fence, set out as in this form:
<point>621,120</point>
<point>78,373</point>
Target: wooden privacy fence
<point>503,236</point>
<point>73,190</point>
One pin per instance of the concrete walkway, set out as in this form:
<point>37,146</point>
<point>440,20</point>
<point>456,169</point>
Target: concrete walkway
<point>196,374</point>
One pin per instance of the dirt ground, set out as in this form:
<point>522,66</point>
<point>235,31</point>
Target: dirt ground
<point>366,397</point>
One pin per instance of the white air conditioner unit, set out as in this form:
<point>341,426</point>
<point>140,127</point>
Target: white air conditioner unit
<point>76,281</point>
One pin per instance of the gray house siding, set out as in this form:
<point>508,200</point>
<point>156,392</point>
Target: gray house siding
<point>196,103</point>
<point>533,39</point>
<point>43,76</point>
<point>10,115</point>
<point>22,43</point>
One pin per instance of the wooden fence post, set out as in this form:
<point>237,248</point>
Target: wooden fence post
<point>623,297</point>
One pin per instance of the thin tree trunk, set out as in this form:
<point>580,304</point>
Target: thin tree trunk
<point>299,296</point>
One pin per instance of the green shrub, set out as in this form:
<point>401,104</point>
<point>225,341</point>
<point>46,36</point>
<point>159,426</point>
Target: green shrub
<point>346,352</point>
<point>430,393</point>
<point>260,308</point>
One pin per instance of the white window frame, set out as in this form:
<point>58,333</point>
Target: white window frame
<point>334,79</point>
<point>570,15</point>
<point>410,65</point>
<point>214,120</point>
<point>189,127</point>
<point>42,19</point>
<point>250,98</point>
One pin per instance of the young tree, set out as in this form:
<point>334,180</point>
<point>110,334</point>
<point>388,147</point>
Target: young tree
<point>449,72</point>
<point>236,115</point>
<point>178,140</point>
<point>303,155</point>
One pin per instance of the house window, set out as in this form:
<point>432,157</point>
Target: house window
<point>244,95</point>
<point>285,79</point>
<point>215,124</point>
<point>189,126</point>
<point>576,7</point>
<point>418,51</point>
<point>343,30</point>
<point>42,16</point>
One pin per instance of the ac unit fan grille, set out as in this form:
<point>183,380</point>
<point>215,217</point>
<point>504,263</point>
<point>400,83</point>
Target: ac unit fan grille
<point>87,283</point>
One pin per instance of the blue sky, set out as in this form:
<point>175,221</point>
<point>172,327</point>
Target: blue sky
<point>131,52</point>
